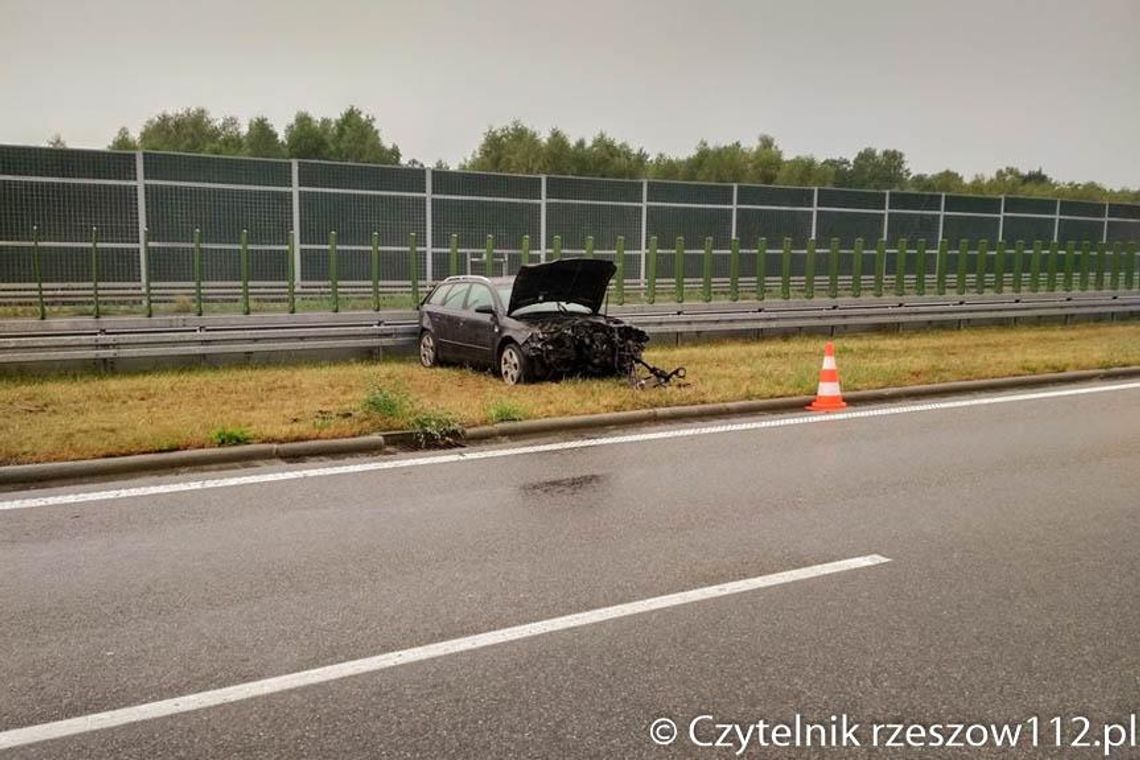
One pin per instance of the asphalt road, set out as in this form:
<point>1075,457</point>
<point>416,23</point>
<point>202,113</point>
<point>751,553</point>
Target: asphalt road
<point>1013,591</point>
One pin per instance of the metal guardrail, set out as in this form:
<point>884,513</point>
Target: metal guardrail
<point>117,343</point>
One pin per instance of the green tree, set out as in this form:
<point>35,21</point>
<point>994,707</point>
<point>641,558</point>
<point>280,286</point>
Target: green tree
<point>306,137</point>
<point>56,141</point>
<point>261,139</point>
<point>123,141</point>
<point>356,139</point>
<point>765,162</point>
<point>874,170</point>
<point>514,148</point>
<point>805,171</point>
<point>191,130</point>
<point>945,181</point>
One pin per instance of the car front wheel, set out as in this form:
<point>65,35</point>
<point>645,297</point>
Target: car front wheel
<point>512,365</point>
<point>428,356</point>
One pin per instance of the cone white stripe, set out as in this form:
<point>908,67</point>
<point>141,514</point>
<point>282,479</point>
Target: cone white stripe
<point>829,362</point>
<point>828,389</point>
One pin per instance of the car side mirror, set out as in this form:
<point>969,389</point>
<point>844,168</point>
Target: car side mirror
<point>485,308</point>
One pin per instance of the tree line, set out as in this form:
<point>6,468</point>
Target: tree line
<point>519,149</point>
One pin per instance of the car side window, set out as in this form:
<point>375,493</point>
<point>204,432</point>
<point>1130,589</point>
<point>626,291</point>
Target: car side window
<point>480,295</point>
<point>454,298</point>
<point>437,295</point>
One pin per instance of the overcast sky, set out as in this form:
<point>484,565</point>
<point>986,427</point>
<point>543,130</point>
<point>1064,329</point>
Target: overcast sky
<point>971,85</point>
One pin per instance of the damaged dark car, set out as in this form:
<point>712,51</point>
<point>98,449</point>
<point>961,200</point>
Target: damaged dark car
<point>544,323</point>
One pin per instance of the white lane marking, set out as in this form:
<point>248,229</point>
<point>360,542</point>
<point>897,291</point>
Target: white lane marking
<point>96,721</point>
<point>466,456</point>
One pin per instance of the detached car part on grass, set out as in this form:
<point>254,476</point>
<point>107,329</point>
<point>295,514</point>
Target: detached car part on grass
<point>544,323</point>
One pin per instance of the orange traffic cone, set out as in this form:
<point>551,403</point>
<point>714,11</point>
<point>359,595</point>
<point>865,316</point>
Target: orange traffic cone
<point>828,397</point>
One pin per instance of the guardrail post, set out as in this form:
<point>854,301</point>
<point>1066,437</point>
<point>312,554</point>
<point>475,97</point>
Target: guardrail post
<point>374,267</point>
<point>651,272</point>
<point>734,270</point>
<point>1051,266</point>
<point>857,269</point>
<point>786,270</point>
<point>1035,267</point>
<point>833,269</point>
<point>489,256</point>
<point>95,268</point>
<point>148,306</point>
<point>414,266</point>
<point>980,268</point>
<point>1070,264</point>
<point>761,268</point>
<point>334,292</point>
<point>960,267</point>
<point>706,271</point>
<point>37,272</point>
<point>1086,264</point>
<point>453,255</point>
<point>920,267</point>
<point>589,246</point>
<point>243,263</point>
<point>1018,264</point>
<point>809,270</point>
<point>1101,264</point>
<point>880,265</point>
<point>291,276</point>
<point>1117,252</point>
<point>940,265</point>
<point>1130,265</point>
<point>999,267</point>
<point>900,266</point>
<point>619,261</point>
<point>524,253</point>
<point>679,270</point>
<point>197,263</point>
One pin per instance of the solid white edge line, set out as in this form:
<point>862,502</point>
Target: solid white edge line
<point>464,456</point>
<point>96,721</point>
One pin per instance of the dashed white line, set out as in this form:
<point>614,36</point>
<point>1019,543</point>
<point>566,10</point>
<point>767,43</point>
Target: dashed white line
<point>31,734</point>
<point>466,456</point>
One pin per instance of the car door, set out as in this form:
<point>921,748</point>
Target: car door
<point>477,331</point>
<point>446,319</point>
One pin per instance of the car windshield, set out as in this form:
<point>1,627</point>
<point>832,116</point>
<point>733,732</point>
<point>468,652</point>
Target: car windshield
<point>574,308</point>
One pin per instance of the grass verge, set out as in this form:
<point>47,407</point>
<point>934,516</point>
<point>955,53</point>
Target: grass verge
<point>81,416</point>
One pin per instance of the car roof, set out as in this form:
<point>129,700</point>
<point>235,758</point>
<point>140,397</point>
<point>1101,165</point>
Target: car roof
<point>493,281</point>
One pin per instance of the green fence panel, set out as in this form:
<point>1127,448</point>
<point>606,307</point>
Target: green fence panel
<point>556,249</point>
<point>857,268</point>
<point>619,275</point>
<point>589,246</point>
<point>833,269</point>
<point>960,267</point>
<point>880,266</point>
<point>980,269</point>
<point>334,275</point>
<point>679,270</point>
<point>761,268</point>
<point>37,271</point>
<point>489,256</point>
<point>941,261</point>
<point>243,264</point>
<point>148,303</point>
<point>1130,265</point>
<point>524,253</point>
<point>197,262</point>
<point>1085,265</point>
<point>734,270</point>
<point>1116,265</point>
<point>1101,264</point>
<point>95,269</point>
<point>809,270</point>
<point>1018,265</point>
<point>291,273</point>
<point>453,255</point>
<point>999,267</point>
<point>786,270</point>
<point>920,267</point>
<point>651,271</point>
<point>374,269</point>
<point>707,271</point>
<point>900,266</point>
<point>1070,265</point>
<point>1053,267</point>
<point>414,265</point>
<point>1035,268</point>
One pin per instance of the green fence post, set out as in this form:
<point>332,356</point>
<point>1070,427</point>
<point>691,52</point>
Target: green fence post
<point>900,266</point>
<point>734,270</point>
<point>374,268</point>
<point>198,270</point>
<point>148,306</point>
<point>980,270</point>
<point>489,257</point>
<point>857,269</point>
<point>651,272</point>
<point>809,270</point>
<point>556,249</point>
<point>334,285</point>
<point>453,255</point>
<point>706,271</point>
<point>999,267</point>
<point>95,268</point>
<point>833,269</point>
<point>524,254</point>
<point>243,263</point>
<point>1117,253</point>
<point>880,266</point>
<point>940,265</point>
<point>761,268</point>
<point>1070,264</point>
<point>1130,265</point>
<point>414,266</point>
<point>1086,264</point>
<point>920,267</point>
<point>1051,266</point>
<point>37,271</point>
<point>291,276</point>
<point>786,270</point>
<point>679,270</point>
<point>1035,267</point>
<point>960,266</point>
<point>1018,264</point>
<point>619,275</point>
<point>589,246</point>
<point>1101,264</point>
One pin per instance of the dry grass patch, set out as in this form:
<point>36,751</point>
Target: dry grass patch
<point>81,416</point>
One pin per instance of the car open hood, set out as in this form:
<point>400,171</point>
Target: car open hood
<point>580,281</point>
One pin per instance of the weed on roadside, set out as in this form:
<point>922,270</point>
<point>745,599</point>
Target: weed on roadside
<point>436,429</point>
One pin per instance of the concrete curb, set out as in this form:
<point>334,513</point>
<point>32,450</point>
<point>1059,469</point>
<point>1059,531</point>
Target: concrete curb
<point>95,468</point>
